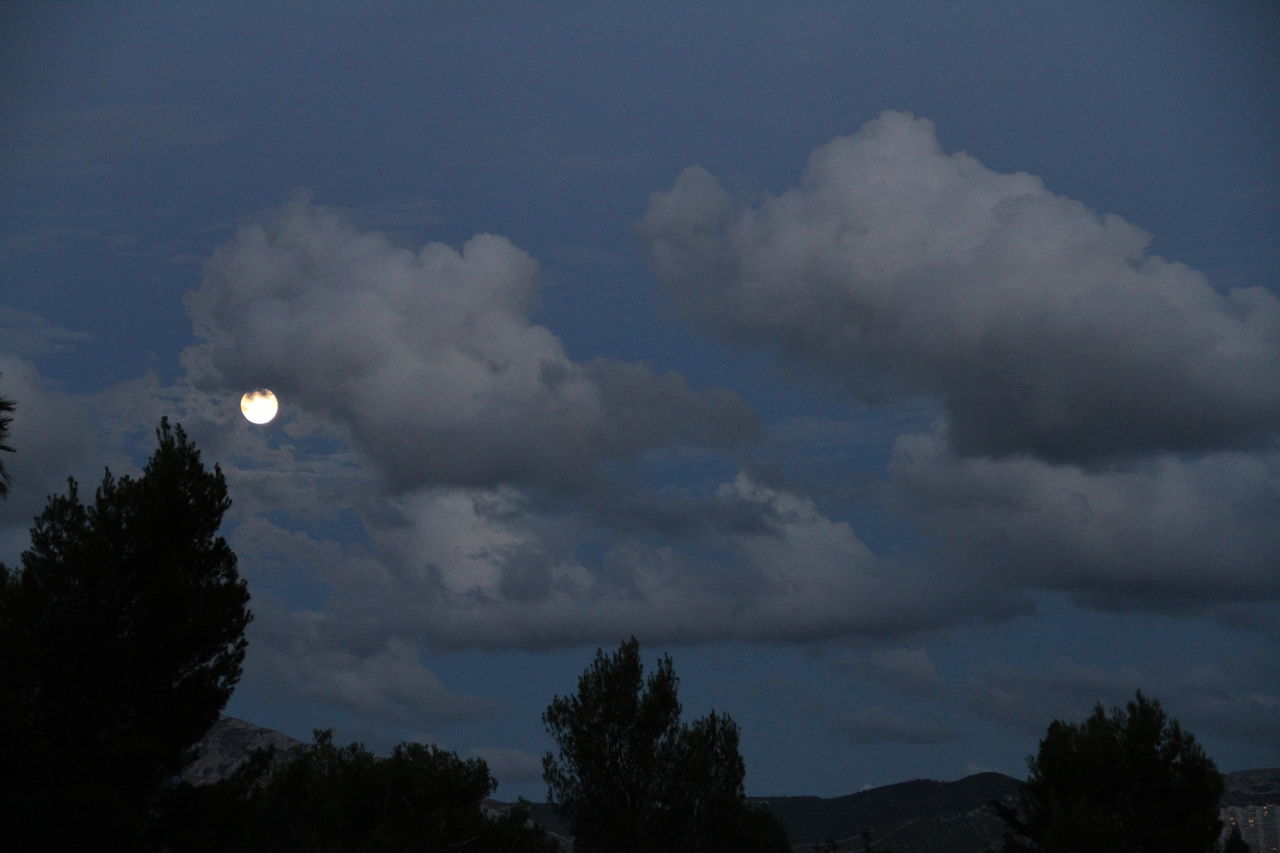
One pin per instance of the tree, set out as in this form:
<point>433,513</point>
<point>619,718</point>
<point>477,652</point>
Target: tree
<point>1129,781</point>
<point>330,799</point>
<point>630,778</point>
<point>6,406</point>
<point>1235,842</point>
<point>121,639</point>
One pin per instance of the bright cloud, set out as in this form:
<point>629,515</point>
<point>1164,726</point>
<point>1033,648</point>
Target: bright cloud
<point>491,568</point>
<point>429,358</point>
<point>1047,327</point>
<point>1109,417</point>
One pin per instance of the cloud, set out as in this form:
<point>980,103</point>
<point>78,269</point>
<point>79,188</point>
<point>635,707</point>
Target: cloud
<point>1047,328</point>
<point>1110,419</point>
<point>30,335</point>
<point>300,654</point>
<point>429,359</point>
<point>1165,533</point>
<point>908,670</point>
<point>51,440</point>
<point>492,568</point>
<point>1058,689</point>
<point>878,725</point>
<point>1225,698</point>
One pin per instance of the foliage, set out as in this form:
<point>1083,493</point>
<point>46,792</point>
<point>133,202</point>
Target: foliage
<point>213,817</point>
<point>1129,781</point>
<point>630,778</point>
<point>121,639</point>
<point>331,799</point>
<point>1235,842</point>
<point>6,406</point>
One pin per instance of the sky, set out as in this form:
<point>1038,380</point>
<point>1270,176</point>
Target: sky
<point>908,372</point>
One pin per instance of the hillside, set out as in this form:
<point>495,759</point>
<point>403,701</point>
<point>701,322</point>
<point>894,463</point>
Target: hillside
<point>1252,787</point>
<point>920,816</point>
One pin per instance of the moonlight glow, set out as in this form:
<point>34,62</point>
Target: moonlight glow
<point>259,406</point>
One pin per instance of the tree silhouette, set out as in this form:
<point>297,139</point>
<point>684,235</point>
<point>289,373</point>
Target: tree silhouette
<point>347,800</point>
<point>121,639</point>
<point>1235,842</point>
<point>1131,780</point>
<point>630,778</point>
<point>6,406</point>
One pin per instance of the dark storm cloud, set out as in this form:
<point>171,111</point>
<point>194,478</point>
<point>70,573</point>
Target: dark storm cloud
<point>430,359</point>
<point>1047,328</point>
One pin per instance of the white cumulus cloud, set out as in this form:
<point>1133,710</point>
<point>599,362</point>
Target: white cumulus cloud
<point>429,358</point>
<point>1047,327</point>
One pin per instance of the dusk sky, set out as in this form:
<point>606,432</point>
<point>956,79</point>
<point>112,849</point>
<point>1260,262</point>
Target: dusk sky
<point>909,372</point>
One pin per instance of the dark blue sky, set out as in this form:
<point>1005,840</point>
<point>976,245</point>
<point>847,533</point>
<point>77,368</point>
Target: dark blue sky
<point>910,372</point>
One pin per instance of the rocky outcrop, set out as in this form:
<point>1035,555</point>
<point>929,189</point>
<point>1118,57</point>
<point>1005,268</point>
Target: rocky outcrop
<point>228,744</point>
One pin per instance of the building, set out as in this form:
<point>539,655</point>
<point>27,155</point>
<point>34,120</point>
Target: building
<point>1259,825</point>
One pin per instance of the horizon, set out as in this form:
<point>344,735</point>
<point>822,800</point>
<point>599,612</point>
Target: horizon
<point>865,789</point>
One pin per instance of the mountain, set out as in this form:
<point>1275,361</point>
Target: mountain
<point>1252,788</point>
<point>227,745</point>
<point>921,816</point>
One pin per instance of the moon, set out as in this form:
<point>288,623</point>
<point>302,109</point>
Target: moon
<point>259,406</point>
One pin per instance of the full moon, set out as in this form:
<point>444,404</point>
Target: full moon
<point>259,406</point>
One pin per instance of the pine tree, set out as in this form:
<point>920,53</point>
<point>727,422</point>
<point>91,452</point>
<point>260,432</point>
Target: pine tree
<point>121,640</point>
<point>330,798</point>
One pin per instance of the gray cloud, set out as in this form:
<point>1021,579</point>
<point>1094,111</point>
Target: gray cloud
<point>430,359</point>
<point>471,567</point>
<point>1165,533</point>
<point>29,335</point>
<point>51,439</point>
<point>907,670</point>
<point>1227,698</point>
<point>297,653</point>
<point>1109,417</point>
<point>1046,327</point>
